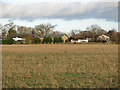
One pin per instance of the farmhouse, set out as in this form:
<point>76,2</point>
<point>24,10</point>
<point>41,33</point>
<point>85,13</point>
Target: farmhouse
<point>103,38</point>
<point>63,36</point>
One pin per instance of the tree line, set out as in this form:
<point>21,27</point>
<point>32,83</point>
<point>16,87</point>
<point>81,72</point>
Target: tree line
<point>94,31</point>
<point>32,35</point>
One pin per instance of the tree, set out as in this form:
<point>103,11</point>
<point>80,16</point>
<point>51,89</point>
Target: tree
<point>96,31</point>
<point>85,34</point>
<point>9,29</point>
<point>33,33</point>
<point>9,25</point>
<point>118,37</point>
<point>6,28</point>
<point>11,33</point>
<point>21,29</point>
<point>56,32</point>
<point>75,31</point>
<point>28,38</point>
<point>3,31</point>
<point>113,35</point>
<point>44,29</point>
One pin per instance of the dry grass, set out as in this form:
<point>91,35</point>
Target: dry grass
<point>80,66</point>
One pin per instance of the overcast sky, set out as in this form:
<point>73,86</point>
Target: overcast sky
<point>65,14</point>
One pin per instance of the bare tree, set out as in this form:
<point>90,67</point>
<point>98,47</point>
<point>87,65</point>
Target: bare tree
<point>96,31</point>
<point>44,29</point>
<point>113,34</point>
<point>10,25</point>
<point>21,29</point>
<point>75,31</point>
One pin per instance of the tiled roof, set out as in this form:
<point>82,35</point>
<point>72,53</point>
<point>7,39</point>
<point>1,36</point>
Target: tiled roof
<point>53,35</point>
<point>78,36</point>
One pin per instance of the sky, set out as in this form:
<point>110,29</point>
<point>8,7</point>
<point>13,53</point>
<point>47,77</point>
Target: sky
<point>66,15</point>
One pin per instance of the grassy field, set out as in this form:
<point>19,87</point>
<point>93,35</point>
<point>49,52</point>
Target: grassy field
<point>60,66</point>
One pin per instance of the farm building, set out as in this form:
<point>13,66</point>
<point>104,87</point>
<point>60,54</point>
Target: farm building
<point>103,38</point>
<point>19,40</point>
<point>63,36</point>
<point>78,39</point>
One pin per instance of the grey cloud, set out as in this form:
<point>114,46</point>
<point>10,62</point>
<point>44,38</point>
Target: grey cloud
<point>1,9</point>
<point>119,12</point>
<point>67,11</point>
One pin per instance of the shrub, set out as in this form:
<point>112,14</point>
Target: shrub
<point>67,41</point>
<point>36,40</point>
<point>8,41</point>
<point>47,39</point>
<point>0,42</point>
<point>58,40</point>
<point>55,40</point>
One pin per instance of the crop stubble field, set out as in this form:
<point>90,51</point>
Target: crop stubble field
<point>60,65</point>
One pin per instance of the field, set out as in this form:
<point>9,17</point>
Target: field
<point>60,66</point>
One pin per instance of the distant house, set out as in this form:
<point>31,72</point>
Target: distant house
<point>103,38</point>
<point>0,38</point>
<point>63,36</point>
<point>79,39</point>
<point>19,40</point>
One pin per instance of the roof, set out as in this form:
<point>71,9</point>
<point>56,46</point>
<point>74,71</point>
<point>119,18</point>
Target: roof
<point>78,36</point>
<point>53,35</point>
<point>17,39</point>
<point>104,36</point>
